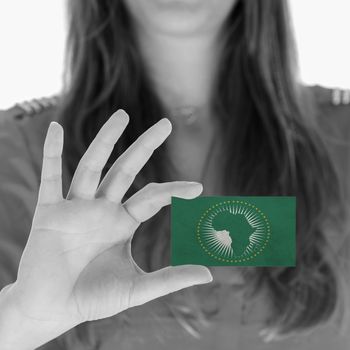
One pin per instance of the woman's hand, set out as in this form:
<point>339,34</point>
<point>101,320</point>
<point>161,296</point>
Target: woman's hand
<point>77,264</point>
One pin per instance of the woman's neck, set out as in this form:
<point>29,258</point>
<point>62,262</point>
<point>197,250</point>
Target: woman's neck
<point>182,69</point>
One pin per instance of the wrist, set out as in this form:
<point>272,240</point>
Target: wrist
<point>19,330</point>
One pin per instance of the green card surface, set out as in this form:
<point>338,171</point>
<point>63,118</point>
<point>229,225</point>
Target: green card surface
<point>239,231</point>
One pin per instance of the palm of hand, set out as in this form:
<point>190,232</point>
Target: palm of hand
<point>77,264</point>
<point>85,245</point>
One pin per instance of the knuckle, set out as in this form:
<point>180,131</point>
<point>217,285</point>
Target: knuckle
<point>102,142</point>
<point>125,174</point>
<point>90,167</point>
<point>146,142</point>
<point>52,178</point>
<point>151,186</point>
<point>150,190</point>
<point>166,275</point>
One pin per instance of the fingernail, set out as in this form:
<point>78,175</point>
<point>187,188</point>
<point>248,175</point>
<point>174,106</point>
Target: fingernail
<point>208,276</point>
<point>197,187</point>
<point>194,183</point>
<point>165,123</point>
<point>209,279</point>
<point>54,124</point>
<point>55,129</point>
<point>120,114</point>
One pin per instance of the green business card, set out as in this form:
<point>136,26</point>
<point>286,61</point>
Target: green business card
<point>239,231</point>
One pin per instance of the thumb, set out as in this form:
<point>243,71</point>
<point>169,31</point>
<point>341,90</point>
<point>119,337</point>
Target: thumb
<point>167,280</point>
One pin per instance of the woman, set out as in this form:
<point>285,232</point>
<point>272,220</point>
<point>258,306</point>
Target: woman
<point>223,73</point>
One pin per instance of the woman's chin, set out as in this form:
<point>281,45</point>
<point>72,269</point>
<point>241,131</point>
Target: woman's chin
<point>180,17</point>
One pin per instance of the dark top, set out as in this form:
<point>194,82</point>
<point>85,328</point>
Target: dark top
<point>22,133</point>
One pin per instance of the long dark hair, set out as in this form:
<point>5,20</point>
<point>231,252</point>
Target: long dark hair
<point>271,139</point>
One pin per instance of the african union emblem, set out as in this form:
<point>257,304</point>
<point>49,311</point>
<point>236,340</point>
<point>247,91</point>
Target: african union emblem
<point>233,231</point>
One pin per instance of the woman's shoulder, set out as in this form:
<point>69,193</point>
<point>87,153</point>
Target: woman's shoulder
<point>23,126</point>
<point>29,113</point>
<point>332,108</point>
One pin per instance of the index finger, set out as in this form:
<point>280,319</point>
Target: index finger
<point>123,172</point>
<point>88,172</point>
